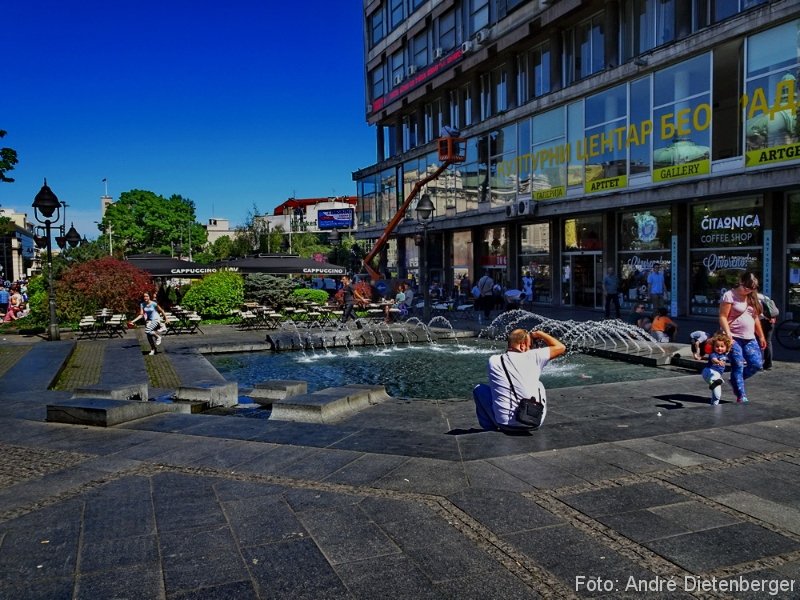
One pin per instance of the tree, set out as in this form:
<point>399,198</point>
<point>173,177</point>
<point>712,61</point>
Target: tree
<point>221,248</point>
<point>8,158</point>
<point>251,236</point>
<point>142,221</point>
<point>216,294</point>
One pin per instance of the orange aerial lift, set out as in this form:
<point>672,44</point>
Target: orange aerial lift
<point>451,150</point>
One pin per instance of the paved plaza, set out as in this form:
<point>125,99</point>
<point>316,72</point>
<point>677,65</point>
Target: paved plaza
<point>630,490</point>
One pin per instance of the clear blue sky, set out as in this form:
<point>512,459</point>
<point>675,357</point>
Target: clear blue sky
<point>226,103</point>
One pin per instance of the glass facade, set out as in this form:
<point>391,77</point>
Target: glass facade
<point>536,258</point>
<point>644,240</point>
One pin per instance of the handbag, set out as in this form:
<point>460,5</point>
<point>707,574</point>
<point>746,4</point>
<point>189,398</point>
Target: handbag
<point>530,411</point>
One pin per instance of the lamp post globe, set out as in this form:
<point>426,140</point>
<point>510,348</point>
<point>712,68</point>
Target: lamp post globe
<point>73,238</point>
<point>45,205</point>
<point>424,212</point>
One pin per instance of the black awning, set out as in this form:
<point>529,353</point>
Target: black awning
<point>159,265</point>
<point>280,265</point>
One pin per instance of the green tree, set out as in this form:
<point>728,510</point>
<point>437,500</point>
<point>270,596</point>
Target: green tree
<point>221,248</point>
<point>251,236</point>
<point>142,221</point>
<point>8,158</point>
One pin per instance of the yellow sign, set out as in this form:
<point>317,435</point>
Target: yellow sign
<point>756,158</point>
<point>548,194</point>
<point>603,185</point>
<point>690,169</point>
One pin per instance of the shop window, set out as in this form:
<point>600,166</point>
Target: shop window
<point>726,239</point>
<point>535,257</point>
<point>410,132</point>
<point>644,240</point>
<point>583,233</point>
<point>682,117</point>
<point>771,92</point>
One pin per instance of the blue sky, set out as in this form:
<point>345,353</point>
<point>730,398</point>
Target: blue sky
<point>226,103</point>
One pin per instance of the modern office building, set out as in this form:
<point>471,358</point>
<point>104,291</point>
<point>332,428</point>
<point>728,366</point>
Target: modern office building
<point>621,133</point>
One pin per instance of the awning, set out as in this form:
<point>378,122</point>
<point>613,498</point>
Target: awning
<point>280,265</point>
<point>159,265</point>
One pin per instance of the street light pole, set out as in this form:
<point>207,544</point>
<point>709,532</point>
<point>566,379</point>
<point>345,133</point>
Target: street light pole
<point>47,203</point>
<point>425,210</point>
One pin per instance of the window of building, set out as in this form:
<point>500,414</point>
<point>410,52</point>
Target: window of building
<point>478,15</point>
<point>500,89</point>
<point>792,300</point>
<point>726,142</point>
<point>389,141</point>
<point>523,82</point>
<point>387,196</point>
<point>502,172</point>
<point>585,49</point>
<point>447,31</point>
<point>708,12</point>
<point>646,24</point>
<point>639,153</point>
<point>410,132</point>
<point>466,104</point>
<point>540,62</point>
<point>376,28</point>
<point>396,12</point>
<point>644,239</point>
<point>605,151</point>
<point>366,200</point>
<point>548,157</point>
<point>494,251</point>
<point>486,96</point>
<point>583,233</point>
<point>773,61</point>
<point>682,114</point>
<point>455,109</point>
<point>575,129</point>
<point>726,239</point>
<point>398,68</point>
<point>415,4</point>
<point>420,50</point>
<point>376,78</point>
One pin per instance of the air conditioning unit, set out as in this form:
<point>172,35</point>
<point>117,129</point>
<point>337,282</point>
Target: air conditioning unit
<point>398,79</point>
<point>482,36</point>
<point>438,53</point>
<point>524,207</point>
<point>412,69</point>
<point>466,47</point>
<point>511,210</point>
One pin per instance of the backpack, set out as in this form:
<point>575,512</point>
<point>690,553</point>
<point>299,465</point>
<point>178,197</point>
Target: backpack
<point>769,308</point>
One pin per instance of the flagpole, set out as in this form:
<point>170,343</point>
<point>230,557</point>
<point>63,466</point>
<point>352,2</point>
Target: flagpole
<point>105,183</point>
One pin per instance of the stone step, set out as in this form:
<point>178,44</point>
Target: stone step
<point>215,393</point>
<point>103,412</point>
<point>328,405</point>
<point>266,393</point>
<point>134,391</point>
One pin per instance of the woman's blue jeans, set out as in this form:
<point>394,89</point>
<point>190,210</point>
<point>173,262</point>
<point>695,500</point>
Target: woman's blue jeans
<point>744,351</point>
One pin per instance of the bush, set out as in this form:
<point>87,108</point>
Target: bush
<point>216,294</point>
<point>318,296</point>
<point>102,283</point>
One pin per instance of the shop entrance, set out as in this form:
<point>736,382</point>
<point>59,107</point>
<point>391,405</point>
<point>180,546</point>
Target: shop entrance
<point>582,280</point>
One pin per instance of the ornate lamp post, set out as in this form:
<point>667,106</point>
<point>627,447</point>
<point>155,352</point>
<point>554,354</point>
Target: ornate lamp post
<point>425,210</point>
<point>47,203</point>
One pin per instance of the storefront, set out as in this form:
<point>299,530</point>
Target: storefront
<point>582,262</point>
<point>536,258</point>
<point>644,240</point>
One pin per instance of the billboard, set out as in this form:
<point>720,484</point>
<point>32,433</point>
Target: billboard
<point>337,218</point>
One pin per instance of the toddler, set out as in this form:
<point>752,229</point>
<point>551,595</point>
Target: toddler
<point>717,360</point>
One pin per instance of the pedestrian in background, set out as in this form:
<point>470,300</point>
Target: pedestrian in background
<point>611,292</point>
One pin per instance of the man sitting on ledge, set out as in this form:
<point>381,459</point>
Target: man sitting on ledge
<point>514,375</point>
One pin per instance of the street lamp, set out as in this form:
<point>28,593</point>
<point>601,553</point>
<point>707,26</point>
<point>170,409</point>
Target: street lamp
<point>334,238</point>
<point>47,203</point>
<point>425,210</point>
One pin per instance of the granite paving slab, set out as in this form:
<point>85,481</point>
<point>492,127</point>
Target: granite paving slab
<point>776,513</point>
<point>702,551</point>
<point>259,521</point>
<point>366,469</point>
<point>503,512</point>
<point>623,499</point>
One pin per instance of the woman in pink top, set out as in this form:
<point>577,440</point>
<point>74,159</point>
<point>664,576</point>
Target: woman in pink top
<point>739,312</point>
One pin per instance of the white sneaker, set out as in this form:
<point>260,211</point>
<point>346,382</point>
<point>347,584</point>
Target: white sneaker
<point>158,340</point>
<point>151,353</point>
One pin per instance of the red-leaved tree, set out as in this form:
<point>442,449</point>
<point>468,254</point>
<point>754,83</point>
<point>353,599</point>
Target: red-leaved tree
<point>102,283</point>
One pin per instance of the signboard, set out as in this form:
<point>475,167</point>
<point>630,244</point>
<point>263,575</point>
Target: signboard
<point>604,185</point>
<point>337,218</point>
<point>690,169</point>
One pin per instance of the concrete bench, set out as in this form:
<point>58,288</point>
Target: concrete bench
<point>266,393</point>
<point>215,393</point>
<point>103,412</point>
<point>133,391</point>
<point>328,405</point>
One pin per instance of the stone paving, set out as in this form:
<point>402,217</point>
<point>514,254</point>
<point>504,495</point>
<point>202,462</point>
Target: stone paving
<point>636,489</point>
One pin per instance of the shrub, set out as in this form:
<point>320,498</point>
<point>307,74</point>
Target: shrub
<point>216,294</point>
<point>102,283</point>
<point>318,296</point>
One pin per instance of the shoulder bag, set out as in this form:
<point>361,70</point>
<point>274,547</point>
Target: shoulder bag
<point>530,411</point>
